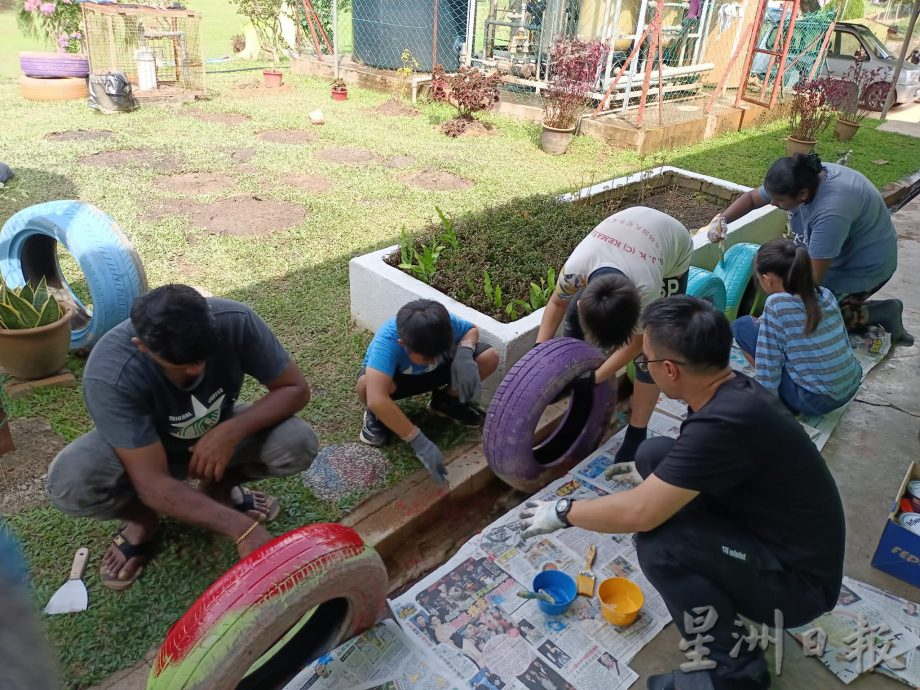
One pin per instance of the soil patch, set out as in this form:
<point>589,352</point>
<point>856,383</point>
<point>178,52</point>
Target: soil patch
<point>242,215</point>
<point>243,155</point>
<point>145,158</point>
<point>310,183</point>
<point>400,162</point>
<point>438,181</point>
<point>349,156</point>
<point>478,129</point>
<point>256,87</point>
<point>219,118</point>
<point>287,136</point>
<point>395,107</point>
<point>80,135</point>
<point>195,183</point>
<point>24,470</point>
<point>518,242</point>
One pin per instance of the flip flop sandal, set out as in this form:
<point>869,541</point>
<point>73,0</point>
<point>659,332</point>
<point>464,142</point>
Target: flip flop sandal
<point>247,504</point>
<point>129,551</point>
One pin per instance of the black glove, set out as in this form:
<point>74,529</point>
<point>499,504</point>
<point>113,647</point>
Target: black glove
<point>464,375</point>
<point>581,383</point>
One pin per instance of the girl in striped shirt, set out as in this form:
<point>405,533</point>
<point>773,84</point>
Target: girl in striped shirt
<point>798,347</point>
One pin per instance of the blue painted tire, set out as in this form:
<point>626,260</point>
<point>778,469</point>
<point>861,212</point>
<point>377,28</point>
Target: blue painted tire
<point>705,285</point>
<point>113,270</point>
<point>736,269</point>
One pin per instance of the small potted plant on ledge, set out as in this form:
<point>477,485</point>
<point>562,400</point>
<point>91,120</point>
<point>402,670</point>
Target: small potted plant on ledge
<point>34,331</point>
<point>809,115</point>
<point>339,90</point>
<point>574,67</point>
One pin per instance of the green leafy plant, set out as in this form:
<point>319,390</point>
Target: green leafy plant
<point>57,21</point>
<point>424,263</point>
<point>540,294</point>
<point>339,85</point>
<point>264,15</point>
<point>493,292</point>
<point>27,307</point>
<point>409,66</point>
<point>448,235</point>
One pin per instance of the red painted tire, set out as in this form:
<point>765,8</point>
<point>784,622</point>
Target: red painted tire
<point>522,397</point>
<point>34,64</point>
<point>252,608</point>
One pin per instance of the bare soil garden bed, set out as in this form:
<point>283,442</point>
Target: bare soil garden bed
<point>515,245</point>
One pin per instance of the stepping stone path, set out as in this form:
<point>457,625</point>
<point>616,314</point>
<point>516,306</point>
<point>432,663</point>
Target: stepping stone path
<point>346,468</point>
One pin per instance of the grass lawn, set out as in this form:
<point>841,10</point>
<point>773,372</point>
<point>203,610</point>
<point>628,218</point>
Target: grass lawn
<point>297,279</point>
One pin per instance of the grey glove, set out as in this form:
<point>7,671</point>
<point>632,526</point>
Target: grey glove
<point>464,375</point>
<point>431,457</point>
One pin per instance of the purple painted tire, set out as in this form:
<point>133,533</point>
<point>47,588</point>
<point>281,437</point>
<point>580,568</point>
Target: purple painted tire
<point>522,397</point>
<point>35,64</point>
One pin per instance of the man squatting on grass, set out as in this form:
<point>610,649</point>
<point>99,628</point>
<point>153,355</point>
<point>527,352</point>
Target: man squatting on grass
<point>739,513</point>
<point>627,262</point>
<point>162,389</point>
<point>424,349</point>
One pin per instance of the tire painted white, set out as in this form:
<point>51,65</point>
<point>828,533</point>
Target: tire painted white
<point>378,290</point>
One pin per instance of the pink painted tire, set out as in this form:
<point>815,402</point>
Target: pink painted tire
<point>524,394</point>
<point>35,64</point>
<point>247,630</point>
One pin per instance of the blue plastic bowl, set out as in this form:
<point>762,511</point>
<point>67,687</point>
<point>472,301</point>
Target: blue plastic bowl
<point>559,586</point>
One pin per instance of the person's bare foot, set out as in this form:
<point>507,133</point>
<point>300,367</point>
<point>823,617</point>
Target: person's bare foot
<point>129,552</point>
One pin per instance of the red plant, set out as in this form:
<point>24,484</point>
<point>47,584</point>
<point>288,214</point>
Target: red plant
<point>847,95</point>
<point>809,113</point>
<point>469,90</point>
<point>574,69</point>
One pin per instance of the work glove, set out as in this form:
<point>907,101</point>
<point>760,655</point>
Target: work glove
<point>464,375</point>
<point>431,457</point>
<point>717,229</point>
<point>539,517</point>
<point>580,383</point>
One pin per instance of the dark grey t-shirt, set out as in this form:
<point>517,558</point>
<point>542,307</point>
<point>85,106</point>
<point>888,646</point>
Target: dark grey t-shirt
<point>134,404</point>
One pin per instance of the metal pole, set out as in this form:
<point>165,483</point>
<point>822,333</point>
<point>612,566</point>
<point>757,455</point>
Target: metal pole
<point>335,37</point>
<point>434,38</point>
<point>889,99</point>
<point>470,30</point>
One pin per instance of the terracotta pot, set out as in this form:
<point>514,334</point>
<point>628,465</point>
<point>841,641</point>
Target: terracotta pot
<point>794,145</point>
<point>340,94</point>
<point>556,141</point>
<point>272,78</point>
<point>846,130</point>
<point>34,353</point>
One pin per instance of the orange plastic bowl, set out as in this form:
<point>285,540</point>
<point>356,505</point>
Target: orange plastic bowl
<point>621,600</point>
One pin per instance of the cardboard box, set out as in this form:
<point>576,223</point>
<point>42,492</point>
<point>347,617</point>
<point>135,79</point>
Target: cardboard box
<point>898,551</point>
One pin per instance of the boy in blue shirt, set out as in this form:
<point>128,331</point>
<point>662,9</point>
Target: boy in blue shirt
<point>424,349</point>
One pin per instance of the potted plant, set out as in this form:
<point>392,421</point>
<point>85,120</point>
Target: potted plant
<point>809,115</point>
<point>574,67</point>
<point>848,97</point>
<point>264,15</point>
<point>339,90</point>
<point>34,331</point>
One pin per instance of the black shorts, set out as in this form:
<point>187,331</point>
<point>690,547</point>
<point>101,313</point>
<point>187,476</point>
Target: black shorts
<point>571,327</point>
<point>409,385</point>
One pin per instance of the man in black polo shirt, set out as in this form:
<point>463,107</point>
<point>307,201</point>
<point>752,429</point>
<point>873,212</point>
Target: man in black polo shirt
<point>739,513</point>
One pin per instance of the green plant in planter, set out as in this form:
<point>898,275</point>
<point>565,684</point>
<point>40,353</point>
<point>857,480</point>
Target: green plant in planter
<point>28,307</point>
<point>424,263</point>
<point>493,292</point>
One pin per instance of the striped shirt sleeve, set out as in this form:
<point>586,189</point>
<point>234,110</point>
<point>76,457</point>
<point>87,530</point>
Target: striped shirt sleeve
<point>771,347</point>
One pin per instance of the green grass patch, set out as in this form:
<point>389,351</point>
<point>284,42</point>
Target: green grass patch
<point>296,278</point>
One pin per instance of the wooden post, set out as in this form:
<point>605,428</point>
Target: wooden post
<point>434,38</point>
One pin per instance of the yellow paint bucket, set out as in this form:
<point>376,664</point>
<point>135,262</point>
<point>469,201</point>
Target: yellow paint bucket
<point>621,600</point>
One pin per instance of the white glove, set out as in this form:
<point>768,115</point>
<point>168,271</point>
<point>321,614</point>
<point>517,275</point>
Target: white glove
<point>539,517</point>
<point>717,229</point>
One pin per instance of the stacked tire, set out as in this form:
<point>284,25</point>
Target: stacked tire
<point>53,76</point>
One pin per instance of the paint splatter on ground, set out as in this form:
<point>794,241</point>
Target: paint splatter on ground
<point>346,468</point>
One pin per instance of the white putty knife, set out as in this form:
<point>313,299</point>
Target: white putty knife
<point>72,596</point>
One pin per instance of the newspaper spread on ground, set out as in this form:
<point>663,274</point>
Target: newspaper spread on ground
<point>381,658</point>
<point>854,644</point>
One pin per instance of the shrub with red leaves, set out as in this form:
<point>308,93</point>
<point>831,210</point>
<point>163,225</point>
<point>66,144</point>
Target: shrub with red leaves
<point>470,90</point>
<point>574,69</point>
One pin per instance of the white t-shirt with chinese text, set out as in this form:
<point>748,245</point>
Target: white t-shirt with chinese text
<point>647,246</point>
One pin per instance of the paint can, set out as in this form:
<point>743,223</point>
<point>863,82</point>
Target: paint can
<point>911,521</point>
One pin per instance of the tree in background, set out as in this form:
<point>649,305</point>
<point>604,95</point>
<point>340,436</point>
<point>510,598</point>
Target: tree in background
<point>51,21</point>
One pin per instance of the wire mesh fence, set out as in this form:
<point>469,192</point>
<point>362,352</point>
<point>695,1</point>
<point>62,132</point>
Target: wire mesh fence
<point>158,49</point>
<point>665,61</point>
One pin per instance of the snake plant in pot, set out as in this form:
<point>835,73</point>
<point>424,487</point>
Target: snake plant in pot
<point>34,331</point>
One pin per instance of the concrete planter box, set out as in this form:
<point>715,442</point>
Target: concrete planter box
<point>378,289</point>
